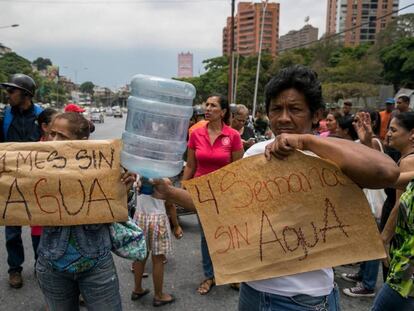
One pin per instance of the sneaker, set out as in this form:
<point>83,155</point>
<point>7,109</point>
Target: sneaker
<point>15,279</point>
<point>351,277</point>
<point>359,291</point>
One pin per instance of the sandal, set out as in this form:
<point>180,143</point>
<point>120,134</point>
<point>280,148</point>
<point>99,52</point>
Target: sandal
<point>206,286</point>
<point>136,296</point>
<point>159,303</point>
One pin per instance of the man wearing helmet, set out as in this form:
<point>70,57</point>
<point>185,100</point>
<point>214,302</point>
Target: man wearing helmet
<point>19,124</point>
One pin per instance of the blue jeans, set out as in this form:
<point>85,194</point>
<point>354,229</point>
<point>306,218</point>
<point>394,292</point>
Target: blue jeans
<point>368,271</point>
<point>253,300</point>
<point>389,300</point>
<point>207,264</point>
<point>14,246</point>
<point>99,287</point>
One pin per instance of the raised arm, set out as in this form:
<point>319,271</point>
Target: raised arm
<point>191,165</point>
<point>365,166</point>
<point>164,190</point>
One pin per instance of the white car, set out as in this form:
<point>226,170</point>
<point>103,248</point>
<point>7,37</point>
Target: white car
<point>118,113</point>
<point>97,116</point>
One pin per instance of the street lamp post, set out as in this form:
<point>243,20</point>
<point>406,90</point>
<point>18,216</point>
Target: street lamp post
<point>258,59</point>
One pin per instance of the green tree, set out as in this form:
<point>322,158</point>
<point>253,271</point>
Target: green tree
<point>401,27</point>
<point>398,60</point>
<point>12,63</point>
<point>42,63</point>
<point>87,87</point>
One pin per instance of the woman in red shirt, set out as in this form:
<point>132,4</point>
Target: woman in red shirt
<point>210,148</point>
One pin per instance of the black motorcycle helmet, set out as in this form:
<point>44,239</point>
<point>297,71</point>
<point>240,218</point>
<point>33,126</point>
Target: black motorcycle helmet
<point>22,82</point>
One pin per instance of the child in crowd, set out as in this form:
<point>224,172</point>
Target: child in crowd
<point>151,217</point>
<point>44,120</point>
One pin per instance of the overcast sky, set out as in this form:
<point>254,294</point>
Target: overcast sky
<point>108,41</point>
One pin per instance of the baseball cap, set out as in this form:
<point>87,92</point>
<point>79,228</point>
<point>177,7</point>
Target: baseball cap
<point>390,101</point>
<point>73,108</point>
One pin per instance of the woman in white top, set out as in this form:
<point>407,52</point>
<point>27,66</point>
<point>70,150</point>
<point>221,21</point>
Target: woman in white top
<point>293,104</point>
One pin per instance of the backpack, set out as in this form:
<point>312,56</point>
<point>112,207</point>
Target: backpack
<point>8,117</point>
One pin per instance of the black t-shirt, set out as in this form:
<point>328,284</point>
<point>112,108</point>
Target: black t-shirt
<point>247,133</point>
<point>261,126</point>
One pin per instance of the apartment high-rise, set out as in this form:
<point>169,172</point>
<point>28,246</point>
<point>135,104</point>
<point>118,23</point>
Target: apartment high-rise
<point>247,24</point>
<point>298,38</point>
<point>185,65</point>
<point>345,14</point>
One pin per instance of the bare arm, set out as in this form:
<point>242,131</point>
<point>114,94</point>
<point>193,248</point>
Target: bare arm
<point>407,169</point>
<point>191,165</point>
<point>407,173</point>
<point>237,155</point>
<point>360,163</point>
<point>171,210</point>
<point>403,180</point>
<point>389,228</point>
<point>165,191</point>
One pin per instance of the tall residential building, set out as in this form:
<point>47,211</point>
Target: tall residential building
<point>298,38</point>
<point>248,22</point>
<point>185,65</point>
<point>345,14</point>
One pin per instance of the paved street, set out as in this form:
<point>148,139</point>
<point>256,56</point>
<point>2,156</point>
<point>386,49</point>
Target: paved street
<point>183,270</point>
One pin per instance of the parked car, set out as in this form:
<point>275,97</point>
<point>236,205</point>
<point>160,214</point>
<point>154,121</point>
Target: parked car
<point>109,112</point>
<point>118,113</point>
<point>97,116</point>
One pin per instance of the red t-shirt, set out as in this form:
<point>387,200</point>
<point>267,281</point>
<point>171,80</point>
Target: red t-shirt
<point>213,157</point>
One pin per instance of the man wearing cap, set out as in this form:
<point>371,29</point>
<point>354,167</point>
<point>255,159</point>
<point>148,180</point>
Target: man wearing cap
<point>19,124</point>
<point>385,117</point>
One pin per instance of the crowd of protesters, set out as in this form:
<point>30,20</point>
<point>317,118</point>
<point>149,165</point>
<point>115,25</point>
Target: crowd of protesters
<point>373,148</point>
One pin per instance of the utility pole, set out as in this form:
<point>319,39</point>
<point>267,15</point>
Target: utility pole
<point>231,60</point>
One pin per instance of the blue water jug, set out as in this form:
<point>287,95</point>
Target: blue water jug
<point>156,128</point>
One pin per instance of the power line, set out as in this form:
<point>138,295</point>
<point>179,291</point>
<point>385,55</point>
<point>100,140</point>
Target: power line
<point>348,29</point>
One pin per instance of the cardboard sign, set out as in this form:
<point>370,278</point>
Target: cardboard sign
<point>61,183</point>
<point>266,219</point>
